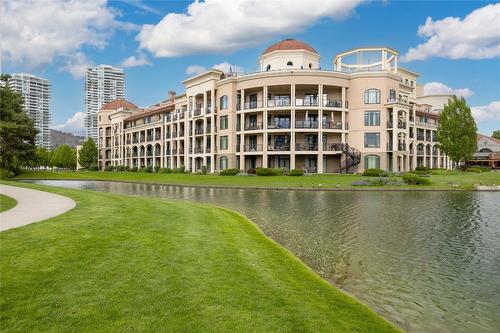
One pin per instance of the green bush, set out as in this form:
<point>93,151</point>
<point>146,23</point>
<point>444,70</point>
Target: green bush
<point>6,174</point>
<point>165,170</point>
<point>229,172</point>
<point>373,172</point>
<point>109,168</point>
<point>473,169</point>
<point>422,168</point>
<point>147,169</point>
<point>133,169</point>
<point>264,171</point>
<point>93,167</point>
<point>419,172</point>
<point>204,170</point>
<point>476,168</point>
<point>377,182</point>
<point>296,172</point>
<point>126,168</point>
<point>182,169</point>
<point>413,179</point>
<point>157,168</point>
<point>251,171</point>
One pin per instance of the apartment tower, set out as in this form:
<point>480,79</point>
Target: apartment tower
<point>36,95</point>
<point>103,84</point>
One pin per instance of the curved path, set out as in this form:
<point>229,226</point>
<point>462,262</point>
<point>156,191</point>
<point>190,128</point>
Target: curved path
<point>32,206</point>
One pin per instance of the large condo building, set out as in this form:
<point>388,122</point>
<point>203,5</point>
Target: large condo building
<point>103,84</point>
<point>36,95</point>
<point>367,112</point>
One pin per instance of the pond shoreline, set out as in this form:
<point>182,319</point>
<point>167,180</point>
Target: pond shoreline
<point>318,189</point>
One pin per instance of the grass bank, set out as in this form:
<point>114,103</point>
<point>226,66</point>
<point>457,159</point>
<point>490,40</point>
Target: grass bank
<point>440,180</point>
<point>119,263</point>
<point>6,202</point>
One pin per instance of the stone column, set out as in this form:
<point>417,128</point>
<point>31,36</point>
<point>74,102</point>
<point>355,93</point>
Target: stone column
<point>292,127</point>
<point>264,126</point>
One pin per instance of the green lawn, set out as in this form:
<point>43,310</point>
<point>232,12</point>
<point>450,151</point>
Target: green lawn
<point>119,263</point>
<point>442,180</point>
<point>6,203</point>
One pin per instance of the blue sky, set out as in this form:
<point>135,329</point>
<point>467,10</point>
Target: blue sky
<point>455,46</point>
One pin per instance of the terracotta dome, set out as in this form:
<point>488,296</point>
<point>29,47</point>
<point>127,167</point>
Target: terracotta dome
<point>289,44</point>
<point>119,103</point>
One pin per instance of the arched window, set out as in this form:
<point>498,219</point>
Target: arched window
<point>223,102</point>
<point>372,162</point>
<point>372,96</point>
<point>268,67</point>
<point>486,150</point>
<point>289,64</point>
<point>223,163</point>
<point>310,66</point>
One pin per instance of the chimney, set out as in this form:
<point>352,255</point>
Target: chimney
<point>171,94</point>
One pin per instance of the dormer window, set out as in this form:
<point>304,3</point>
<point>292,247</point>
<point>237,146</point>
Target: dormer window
<point>289,64</point>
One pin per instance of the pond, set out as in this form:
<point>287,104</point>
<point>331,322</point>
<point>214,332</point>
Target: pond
<point>427,261</point>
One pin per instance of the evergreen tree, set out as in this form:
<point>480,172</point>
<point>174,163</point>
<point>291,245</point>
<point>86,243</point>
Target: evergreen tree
<point>88,153</point>
<point>17,132</point>
<point>457,130</point>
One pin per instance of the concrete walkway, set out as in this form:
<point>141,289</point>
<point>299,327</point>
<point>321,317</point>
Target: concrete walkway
<point>32,206</point>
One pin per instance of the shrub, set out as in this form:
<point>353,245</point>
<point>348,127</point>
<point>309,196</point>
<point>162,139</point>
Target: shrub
<point>296,172</point>
<point>93,167</point>
<point>109,168</point>
<point>251,171</point>
<point>377,181</point>
<point>360,183</point>
<point>264,171</point>
<point>229,172</point>
<point>422,168</point>
<point>126,168</point>
<point>476,169</point>
<point>148,169</point>
<point>419,172</point>
<point>157,168</point>
<point>182,169</point>
<point>413,179</point>
<point>133,169</point>
<point>165,170</point>
<point>372,172</point>
<point>204,170</point>
<point>5,174</point>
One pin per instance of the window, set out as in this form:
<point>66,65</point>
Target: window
<point>372,140</point>
<point>223,142</point>
<point>310,66</point>
<point>372,118</point>
<point>372,162</point>
<point>289,64</point>
<point>268,67</point>
<point>223,163</point>
<point>372,96</point>
<point>485,150</point>
<point>223,122</point>
<point>223,102</point>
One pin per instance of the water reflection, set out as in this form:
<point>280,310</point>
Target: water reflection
<point>428,261</point>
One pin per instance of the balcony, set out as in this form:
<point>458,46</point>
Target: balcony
<point>276,103</point>
<point>332,125</point>
<point>306,124</point>
<point>306,102</point>
<point>253,105</point>
<point>402,146</point>
<point>332,146</point>
<point>332,103</point>
<point>402,124</point>
<point>252,147</point>
<point>253,126</point>
<point>396,100</point>
<point>198,131</point>
<point>197,112</point>
<point>198,150</point>
<point>306,147</point>
<point>278,147</point>
<point>278,124</point>
<point>420,137</point>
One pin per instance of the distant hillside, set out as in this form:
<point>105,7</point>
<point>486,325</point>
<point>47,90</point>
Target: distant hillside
<point>58,138</point>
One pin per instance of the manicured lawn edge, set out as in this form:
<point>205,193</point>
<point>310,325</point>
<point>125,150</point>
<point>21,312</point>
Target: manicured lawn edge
<point>6,202</point>
<point>296,280</point>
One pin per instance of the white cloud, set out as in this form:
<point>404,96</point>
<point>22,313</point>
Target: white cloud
<point>73,125</point>
<point>142,6</point>
<point>38,33</point>
<point>477,36</point>
<point>486,112</point>
<point>223,66</point>
<point>217,26</point>
<point>76,65</point>
<point>438,88</point>
<point>133,61</point>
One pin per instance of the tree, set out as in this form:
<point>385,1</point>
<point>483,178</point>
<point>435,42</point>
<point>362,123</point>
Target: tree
<point>64,157</point>
<point>496,134</point>
<point>17,132</point>
<point>43,157</point>
<point>88,153</point>
<point>457,130</point>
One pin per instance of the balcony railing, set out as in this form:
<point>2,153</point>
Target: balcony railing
<point>253,126</point>
<point>198,150</point>
<point>275,103</point>
<point>332,103</point>
<point>306,102</point>
<point>278,124</point>
<point>252,147</point>
<point>397,100</point>
<point>420,137</point>
<point>149,153</point>
<point>402,124</point>
<point>197,112</point>
<point>332,146</point>
<point>253,105</point>
<point>389,124</point>
<point>306,124</point>
<point>420,152</point>
<point>278,147</point>
<point>332,125</point>
<point>198,131</point>
<point>306,147</point>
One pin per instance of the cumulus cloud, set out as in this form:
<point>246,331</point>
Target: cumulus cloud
<point>486,112</point>
<point>134,61</point>
<point>224,66</point>
<point>38,33</point>
<point>218,26</point>
<point>477,36</point>
<point>76,64</point>
<point>73,125</point>
<point>438,88</point>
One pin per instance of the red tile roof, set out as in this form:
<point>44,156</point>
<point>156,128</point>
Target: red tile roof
<point>119,103</point>
<point>289,44</point>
